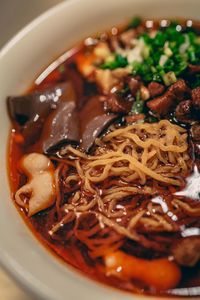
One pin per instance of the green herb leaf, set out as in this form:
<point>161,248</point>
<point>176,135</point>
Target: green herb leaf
<point>118,62</point>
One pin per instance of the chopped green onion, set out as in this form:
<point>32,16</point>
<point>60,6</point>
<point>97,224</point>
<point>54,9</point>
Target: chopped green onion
<point>191,54</point>
<point>138,105</point>
<point>163,60</point>
<point>118,62</point>
<point>156,77</point>
<point>135,22</point>
<point>146,51</point>
<point>159,39</point>
<point>152,119</point>
<point>138,96</point>
<point>168,52</point>
<point>197,40</point>
<point>192,37</point>
<point>169,78</point>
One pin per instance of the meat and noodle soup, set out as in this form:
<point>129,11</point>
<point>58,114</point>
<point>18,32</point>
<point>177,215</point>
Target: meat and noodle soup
<point>104,157</point>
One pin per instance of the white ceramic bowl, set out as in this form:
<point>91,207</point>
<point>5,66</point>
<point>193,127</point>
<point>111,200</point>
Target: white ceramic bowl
<point>21,60</point>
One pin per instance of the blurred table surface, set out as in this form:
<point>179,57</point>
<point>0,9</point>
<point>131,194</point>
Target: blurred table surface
<point>14,15</point>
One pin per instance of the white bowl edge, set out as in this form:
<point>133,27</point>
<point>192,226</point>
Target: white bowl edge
<point>12,229</point>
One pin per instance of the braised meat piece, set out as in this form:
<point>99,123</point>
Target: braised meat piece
<point>196,98</point>
<point>195,130</point>
<point>177,92</point>
<point>187,251</point>
<point>116,104</point>
<point>183,111</point>
<point>155,89</point>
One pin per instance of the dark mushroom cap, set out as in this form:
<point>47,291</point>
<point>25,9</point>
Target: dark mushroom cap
<point>94,128</point>
<point>62,127</point>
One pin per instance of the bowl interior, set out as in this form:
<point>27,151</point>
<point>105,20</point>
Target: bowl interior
<point>21,60</point>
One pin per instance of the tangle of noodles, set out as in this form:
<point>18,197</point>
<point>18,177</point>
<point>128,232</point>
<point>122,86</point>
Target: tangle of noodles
<point>114,186</point>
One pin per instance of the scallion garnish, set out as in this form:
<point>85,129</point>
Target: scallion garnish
<point>118,62</point>
<point>163,57</point>
<point>138,105</point>
<point>169,78</point>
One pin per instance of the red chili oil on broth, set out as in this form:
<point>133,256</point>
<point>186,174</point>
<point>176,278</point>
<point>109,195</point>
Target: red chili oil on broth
<point>127,98</point>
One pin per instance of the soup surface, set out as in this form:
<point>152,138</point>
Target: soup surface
<point>104,157</point>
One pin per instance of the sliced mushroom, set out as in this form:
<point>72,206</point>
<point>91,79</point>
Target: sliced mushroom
<point>30,111</point>
<point>94,128</point>
<point>62,127</point>
<point>176,93</point>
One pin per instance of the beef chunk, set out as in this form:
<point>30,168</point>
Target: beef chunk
<point>162,104</point>
<point>187,251</point>
<point>195,130</point>
<point>116,104</point>
<point>183,110</point>
<point>196,98</point>
<point>155,89</point>
<point>177,92</point>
